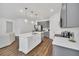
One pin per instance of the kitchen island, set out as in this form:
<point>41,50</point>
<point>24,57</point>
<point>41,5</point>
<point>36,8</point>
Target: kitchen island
<point>28,41</point>
<point>45,48</point>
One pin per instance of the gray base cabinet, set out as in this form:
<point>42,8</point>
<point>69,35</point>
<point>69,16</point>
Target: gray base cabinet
<point>61,51</point>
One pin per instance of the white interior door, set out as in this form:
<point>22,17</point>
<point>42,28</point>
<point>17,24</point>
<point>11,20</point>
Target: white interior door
<point>0,28</point>
<point>9,26</point>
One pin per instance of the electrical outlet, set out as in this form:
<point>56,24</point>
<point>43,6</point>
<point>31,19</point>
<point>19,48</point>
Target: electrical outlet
<point>72,41</point>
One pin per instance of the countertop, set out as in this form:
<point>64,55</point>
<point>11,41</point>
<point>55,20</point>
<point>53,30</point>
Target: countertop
<point>64,42</point>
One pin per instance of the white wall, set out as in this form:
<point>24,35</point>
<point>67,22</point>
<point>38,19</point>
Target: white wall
<point>22,27</point>
<point>55,28</point>
<point>19,26</point>
<point>3,25</point>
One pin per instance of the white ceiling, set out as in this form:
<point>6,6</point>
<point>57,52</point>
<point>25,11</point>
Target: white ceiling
<point>12,10</point>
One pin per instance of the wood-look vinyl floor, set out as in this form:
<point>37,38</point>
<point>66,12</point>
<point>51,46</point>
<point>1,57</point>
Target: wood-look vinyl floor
<point>12,50</point>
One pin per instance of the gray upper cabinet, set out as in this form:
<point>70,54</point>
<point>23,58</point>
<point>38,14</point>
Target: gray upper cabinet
<point>69,15</point>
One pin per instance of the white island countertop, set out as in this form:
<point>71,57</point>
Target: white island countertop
<point>28,41</point>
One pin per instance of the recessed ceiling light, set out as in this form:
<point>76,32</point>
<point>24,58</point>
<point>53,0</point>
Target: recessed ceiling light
<point>32,22</point>
<point>25,20</point>
<point>51,10</point>
<point>21,10</point>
